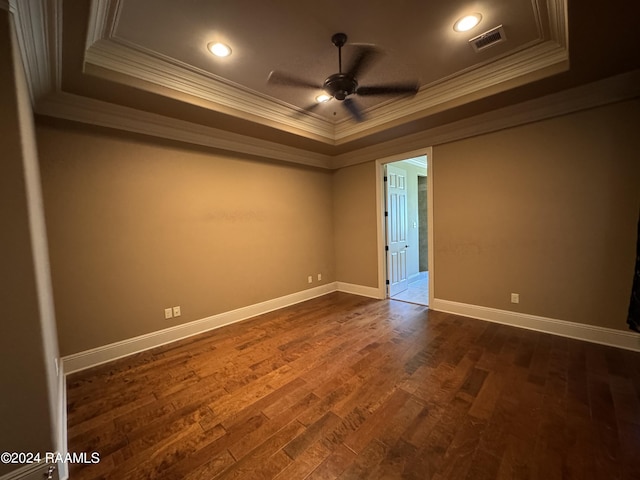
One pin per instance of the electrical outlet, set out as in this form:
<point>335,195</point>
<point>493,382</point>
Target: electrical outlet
<point>319,276</point>
<point>310,279</point>
<point>515,298</point>
<point>176,311</point>
<point>168,313</point>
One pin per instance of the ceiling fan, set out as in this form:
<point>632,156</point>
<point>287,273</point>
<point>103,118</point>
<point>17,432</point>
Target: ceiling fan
<point>343,86</point>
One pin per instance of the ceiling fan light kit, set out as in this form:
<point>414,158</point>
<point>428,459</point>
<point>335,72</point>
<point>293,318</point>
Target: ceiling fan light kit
<point>344,85</point>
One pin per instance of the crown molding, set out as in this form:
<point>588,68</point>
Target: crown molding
<point>557,14</point>
<point>99,24</point>
<point>610,90</point>
<point>139,64</point>
<point>38,30</point>
<point>543,57</point>
<point>95,112</point>
<point>105,50</point>
<point>538,61</point>
<point>179,77</point>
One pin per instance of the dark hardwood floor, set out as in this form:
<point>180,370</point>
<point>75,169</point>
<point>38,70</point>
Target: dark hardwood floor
<point>353,388</point>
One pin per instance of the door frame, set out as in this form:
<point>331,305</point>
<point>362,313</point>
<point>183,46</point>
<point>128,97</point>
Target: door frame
<point>380,208</point>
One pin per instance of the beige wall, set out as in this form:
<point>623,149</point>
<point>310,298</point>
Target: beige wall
<point>547,210</point>
<point>137,225</point>
<point>26,420</point>
<point>355,225</point>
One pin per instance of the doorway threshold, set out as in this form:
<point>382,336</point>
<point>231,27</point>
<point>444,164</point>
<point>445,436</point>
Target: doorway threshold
<point>416,292</point>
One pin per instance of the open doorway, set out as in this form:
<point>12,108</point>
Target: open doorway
<point>407,257</point>
<point>404,232</point>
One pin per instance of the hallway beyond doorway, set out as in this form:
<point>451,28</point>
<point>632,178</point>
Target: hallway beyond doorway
<point>417,291</point>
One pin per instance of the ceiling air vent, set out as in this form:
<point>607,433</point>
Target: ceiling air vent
<point>487,39</point>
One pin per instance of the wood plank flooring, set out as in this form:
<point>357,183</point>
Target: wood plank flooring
<point>348,387</point>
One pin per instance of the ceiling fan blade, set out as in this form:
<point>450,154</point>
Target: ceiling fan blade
<point>306,110</point>
<point>310,108</point>
<point>364,57</point>
<point>279,78</point>
<point>353,109</point>
<point>389,89</point>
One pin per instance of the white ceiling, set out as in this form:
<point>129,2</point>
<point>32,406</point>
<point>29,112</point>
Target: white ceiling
<point>148,59</point>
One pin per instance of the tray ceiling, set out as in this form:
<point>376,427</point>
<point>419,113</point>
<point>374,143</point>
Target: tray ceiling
<point>164,43</point>
<point>143,66</point>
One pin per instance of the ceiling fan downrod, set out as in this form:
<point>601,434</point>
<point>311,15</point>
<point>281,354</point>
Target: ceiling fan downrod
<point>339,40</point>
<point>340,85</point>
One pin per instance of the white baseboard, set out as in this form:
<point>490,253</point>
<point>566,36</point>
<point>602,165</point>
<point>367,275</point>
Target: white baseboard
<point>107,353</point>
<point>97,356</point>
<point>372,292</point>
<point>579,331</point>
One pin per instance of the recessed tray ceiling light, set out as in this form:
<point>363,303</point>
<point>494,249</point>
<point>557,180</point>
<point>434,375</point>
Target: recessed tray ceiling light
<point>467,22</point>
<point>219,49</point>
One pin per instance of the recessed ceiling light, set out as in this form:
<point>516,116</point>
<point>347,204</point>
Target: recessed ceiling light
<point>467,22</point>
<point>219,49</point>
<point>323,98</point>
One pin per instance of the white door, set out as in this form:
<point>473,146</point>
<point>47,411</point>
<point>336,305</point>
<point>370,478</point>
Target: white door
<point>396,212</point>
